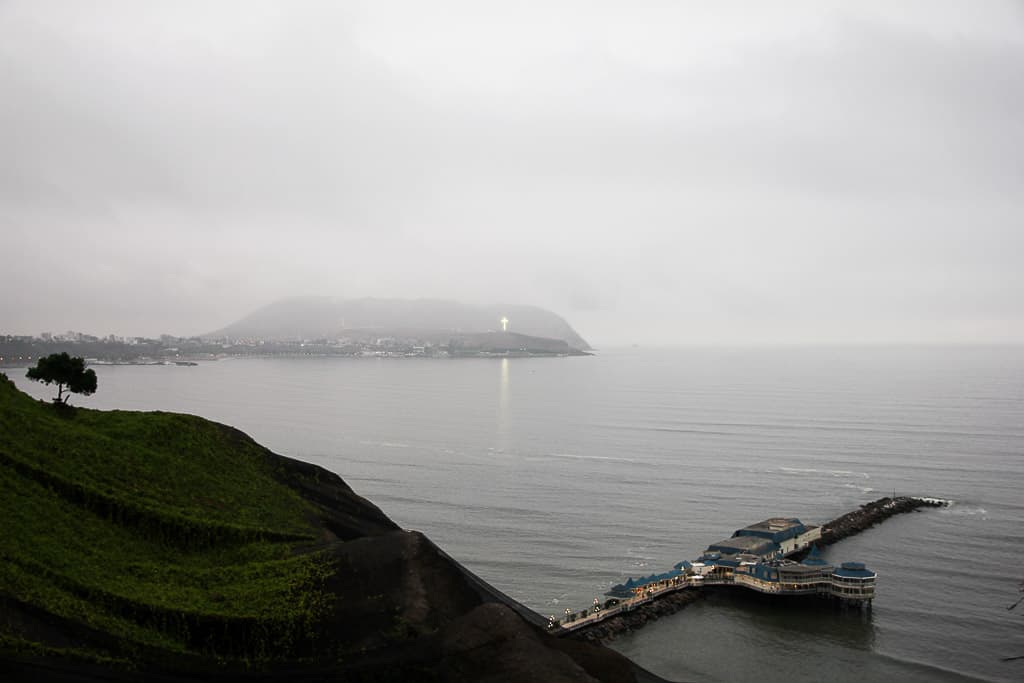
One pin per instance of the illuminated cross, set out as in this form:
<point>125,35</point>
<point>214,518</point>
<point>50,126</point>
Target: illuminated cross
<point>504,324</point>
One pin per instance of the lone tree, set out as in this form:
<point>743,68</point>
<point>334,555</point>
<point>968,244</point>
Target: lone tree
<point>69,374</point>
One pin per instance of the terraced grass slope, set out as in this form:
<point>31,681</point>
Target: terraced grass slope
<point>164,545</point>
<point>136,536</point>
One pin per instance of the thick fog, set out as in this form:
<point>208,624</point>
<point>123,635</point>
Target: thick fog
<point>655,172</point>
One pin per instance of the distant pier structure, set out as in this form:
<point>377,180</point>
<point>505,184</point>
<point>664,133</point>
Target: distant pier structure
<point>774,573</point>
<point>759,557</point>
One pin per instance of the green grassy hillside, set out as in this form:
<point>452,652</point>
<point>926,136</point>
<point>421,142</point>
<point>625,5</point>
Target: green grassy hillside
<point>150,531</point>
<point>166,547</point>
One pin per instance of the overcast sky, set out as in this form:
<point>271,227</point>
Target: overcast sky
<point>655,172</point>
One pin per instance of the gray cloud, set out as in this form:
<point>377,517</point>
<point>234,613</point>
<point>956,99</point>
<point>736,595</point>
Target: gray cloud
<point>660,172</point>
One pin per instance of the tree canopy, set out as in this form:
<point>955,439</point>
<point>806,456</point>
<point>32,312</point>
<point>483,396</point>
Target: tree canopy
<point>68,373</point>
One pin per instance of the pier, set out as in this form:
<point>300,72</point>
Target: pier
<point>777,556</point>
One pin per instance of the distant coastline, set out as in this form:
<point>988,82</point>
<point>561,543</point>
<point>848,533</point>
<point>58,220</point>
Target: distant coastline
<point>18,351</point>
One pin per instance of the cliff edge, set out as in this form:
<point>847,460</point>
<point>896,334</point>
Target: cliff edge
<point>167,547</point>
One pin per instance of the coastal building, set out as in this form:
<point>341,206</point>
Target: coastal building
<point>854,582</point>
<point>788,534</point>
<point>760,557</point>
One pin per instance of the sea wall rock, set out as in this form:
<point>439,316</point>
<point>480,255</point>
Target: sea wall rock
<point>640,616</point>
<point>870,514</point>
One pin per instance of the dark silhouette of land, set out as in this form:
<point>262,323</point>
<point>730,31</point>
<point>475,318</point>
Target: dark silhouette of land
<point>166,547</point>
<point>428,319</point>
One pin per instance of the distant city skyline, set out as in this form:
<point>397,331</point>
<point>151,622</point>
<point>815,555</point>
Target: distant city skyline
<point>655,172</point>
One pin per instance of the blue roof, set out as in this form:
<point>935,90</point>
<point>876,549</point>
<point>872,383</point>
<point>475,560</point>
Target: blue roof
<point>854,570</point>
<point>766,572</point>
<point>814,558</point>
<point>620,591</point>
<point>777,529</point>
<point>752,544</point>
<point>644,580</point>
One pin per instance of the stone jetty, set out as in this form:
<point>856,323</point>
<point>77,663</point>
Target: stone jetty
<point>870,514</point>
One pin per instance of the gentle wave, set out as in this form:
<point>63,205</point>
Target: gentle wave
<point>834,473</point>
<point>939,673</point>
<point>574,456</point>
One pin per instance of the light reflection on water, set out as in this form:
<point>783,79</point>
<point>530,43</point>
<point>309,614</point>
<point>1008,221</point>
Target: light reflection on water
<point>504,398</point>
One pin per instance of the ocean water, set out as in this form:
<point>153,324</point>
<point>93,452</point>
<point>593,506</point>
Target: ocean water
<point>554,478</point>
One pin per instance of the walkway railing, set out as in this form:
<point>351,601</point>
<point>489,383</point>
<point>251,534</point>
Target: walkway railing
<point>598,612</point>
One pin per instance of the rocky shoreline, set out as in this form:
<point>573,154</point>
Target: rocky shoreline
<point>850,524</point>
<point>609,629</point>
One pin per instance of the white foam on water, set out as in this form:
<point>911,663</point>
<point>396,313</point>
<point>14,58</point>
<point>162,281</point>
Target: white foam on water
<point>966,510</point>
<point>833,473</point>
<point>948,502</point>
<point>574,456</point>
<point>385,444</point>
<point>799,470</point>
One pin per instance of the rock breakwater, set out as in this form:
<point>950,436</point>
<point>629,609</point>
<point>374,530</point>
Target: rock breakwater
<point>870,514</point>
<point>609,629</point>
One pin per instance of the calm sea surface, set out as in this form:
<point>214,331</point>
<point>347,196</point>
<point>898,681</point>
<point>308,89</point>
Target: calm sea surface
<point>554,478</point>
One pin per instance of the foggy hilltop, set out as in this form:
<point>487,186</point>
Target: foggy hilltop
<point>332,317</point>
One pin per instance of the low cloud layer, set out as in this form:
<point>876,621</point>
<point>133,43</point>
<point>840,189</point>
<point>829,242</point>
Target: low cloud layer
<point>655,172</point>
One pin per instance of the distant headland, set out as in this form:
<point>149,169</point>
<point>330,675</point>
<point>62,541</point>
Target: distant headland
<point>429,320</point>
